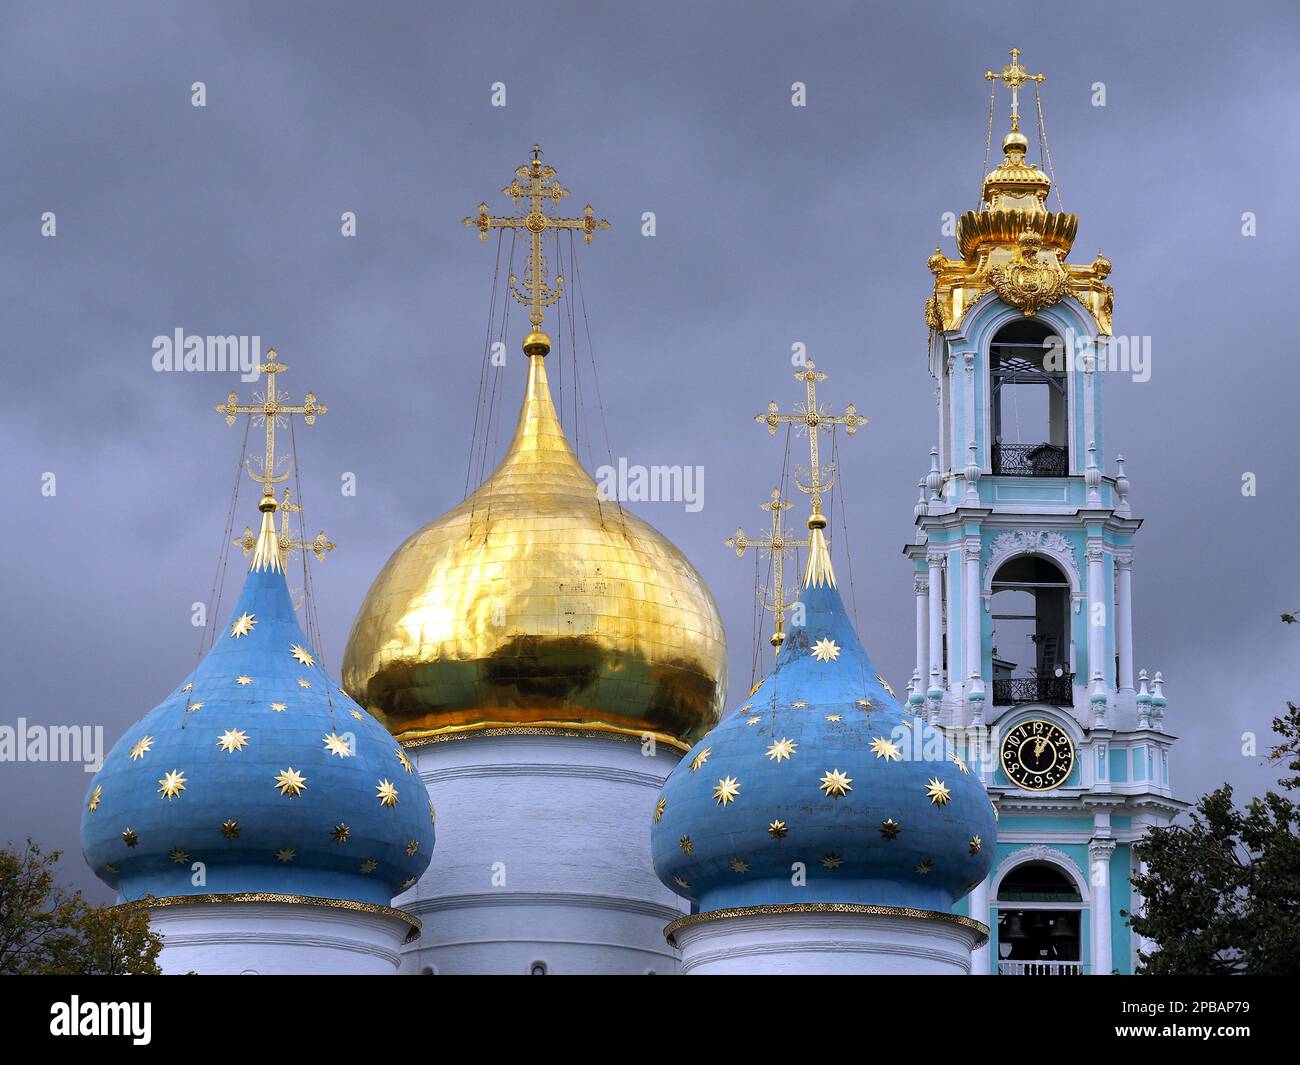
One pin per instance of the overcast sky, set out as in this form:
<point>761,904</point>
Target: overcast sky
<point>775,224</point>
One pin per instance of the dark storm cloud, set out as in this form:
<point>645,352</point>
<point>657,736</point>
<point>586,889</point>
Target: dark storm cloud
<point>775,225</point>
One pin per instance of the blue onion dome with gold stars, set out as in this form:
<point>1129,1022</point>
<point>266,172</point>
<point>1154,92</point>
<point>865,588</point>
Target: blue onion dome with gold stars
<point>823,767</point>
<point>258,774</point>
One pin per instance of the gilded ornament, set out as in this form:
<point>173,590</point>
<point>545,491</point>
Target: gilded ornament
<point>825,650</point>
<point>781,749</point>
<point>290,782</point>
<point>836,785</point>
<point>1029,282</point>
<point>386,793</point>
<point>814,418</point>
<point>726,790</point>
<point>886,749</point>
<point>336,744</point>
<point>269,410</point>
<point>938,792</point>
<point>171,784</point>
<point>232,740</point>
<point>778,545</point>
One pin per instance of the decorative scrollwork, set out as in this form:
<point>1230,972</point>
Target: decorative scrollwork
<point>1028,282</point>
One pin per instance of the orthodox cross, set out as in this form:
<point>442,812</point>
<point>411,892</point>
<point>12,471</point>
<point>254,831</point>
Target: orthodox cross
<point>1013,76</point>
<point>780,544</point>
<point>270,409</point>
<point>287,543</point>
<point>810,418</point>
<point>536,183</point>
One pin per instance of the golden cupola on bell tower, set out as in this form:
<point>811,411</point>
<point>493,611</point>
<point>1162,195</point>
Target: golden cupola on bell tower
<point>1014,244</point>
<point>535,604</point>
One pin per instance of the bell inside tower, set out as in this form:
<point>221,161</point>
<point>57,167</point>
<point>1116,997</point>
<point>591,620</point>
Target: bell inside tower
<point>1031,643</point>
<point>1029,408</point>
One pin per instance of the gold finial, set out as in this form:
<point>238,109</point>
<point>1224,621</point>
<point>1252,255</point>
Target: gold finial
<point>811,418</point>
<point>1013,75</point>
<point>285,540</point>
<point>269,409</point>
<point>535,182</point>
<point>779,544</point>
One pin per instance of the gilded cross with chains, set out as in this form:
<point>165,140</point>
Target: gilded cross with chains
<point>1013,76</point>
<point>536,184</point>
<point>779,544</point>
<point>814,419</point>
<point>270,408</point>
<point>285,539</point>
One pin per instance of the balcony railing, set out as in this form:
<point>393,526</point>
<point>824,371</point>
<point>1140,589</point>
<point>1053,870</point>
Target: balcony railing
<point>1054,691</point>
<point>1030,460</point>
<point>1040,968</point>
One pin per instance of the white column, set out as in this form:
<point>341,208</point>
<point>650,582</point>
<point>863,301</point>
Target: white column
<point>1146,946</point>
<point>969,404</point>
<point>1124,620</point>
<point>921,586</point>
<point>972,636</point>
<point>1089,361</point>
<point>934,560</point>
<point>979,909</point>
<point>1098,613</point>
<point>1099,854</point>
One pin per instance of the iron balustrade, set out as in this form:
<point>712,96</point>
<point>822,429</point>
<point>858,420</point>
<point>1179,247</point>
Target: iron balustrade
<point>1030,460</point>
<point>1054,691</point>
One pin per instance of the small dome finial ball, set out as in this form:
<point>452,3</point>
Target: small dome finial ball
<point>537,343</point>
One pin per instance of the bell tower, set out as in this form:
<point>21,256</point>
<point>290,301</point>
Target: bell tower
<point>1023,573</point>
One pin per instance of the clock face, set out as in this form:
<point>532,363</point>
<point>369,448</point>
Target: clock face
<point>1037,755</point>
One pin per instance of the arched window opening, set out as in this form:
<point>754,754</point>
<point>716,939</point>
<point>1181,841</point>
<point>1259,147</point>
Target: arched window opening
<point>1031,634</point>
<point>1029,401</point>
<point>1039,915</point>
<point>538,968</point>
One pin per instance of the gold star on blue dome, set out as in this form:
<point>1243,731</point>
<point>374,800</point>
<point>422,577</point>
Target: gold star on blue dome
<point>836,784</point>
<point>826,650</point>
<point>171,784</point>
<point>726,790</point>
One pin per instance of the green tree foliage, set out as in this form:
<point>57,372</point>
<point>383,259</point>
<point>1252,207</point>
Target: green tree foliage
<point>44,930</point>
<point>1222,892</point>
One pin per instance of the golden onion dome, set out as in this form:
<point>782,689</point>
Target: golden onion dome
<point>1014,200</point>
<point>536,604</point>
